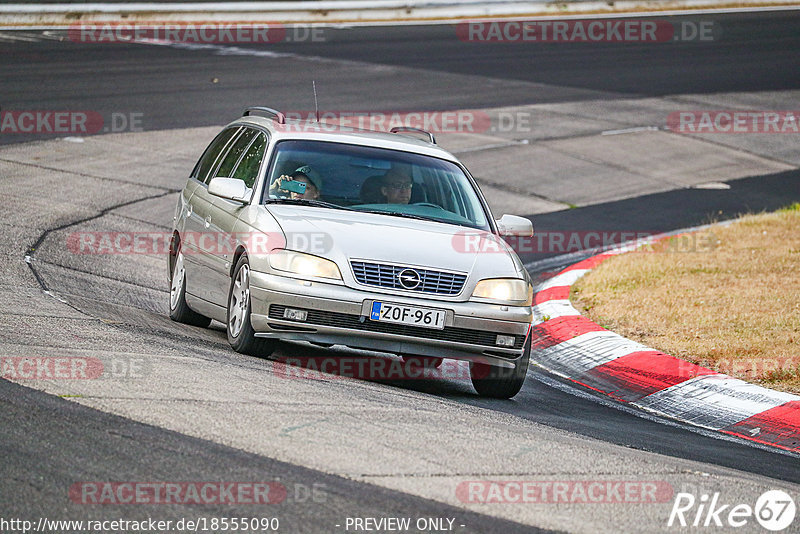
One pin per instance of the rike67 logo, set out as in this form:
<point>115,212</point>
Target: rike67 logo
<point>774,510</point>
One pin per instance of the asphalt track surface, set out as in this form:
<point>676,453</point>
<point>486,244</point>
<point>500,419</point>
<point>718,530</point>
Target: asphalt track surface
<point>48,443</point>
<point>755,51</point>
<point>107,446</point>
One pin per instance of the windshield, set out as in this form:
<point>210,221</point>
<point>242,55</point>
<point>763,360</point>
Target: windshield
<point>376,180</point>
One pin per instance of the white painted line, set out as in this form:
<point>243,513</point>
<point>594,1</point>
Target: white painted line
<point>220,50</point>
<point>630,130</point>
<point>712,185</point>
<point>9,37</point>
<point>714,401</point>
<point>513,142</point>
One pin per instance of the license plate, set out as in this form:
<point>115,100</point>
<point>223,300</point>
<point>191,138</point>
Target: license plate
<point>387,312</point>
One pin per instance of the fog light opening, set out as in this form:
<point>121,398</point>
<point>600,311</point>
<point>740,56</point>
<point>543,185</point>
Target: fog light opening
<point>504,341</point>
<point>295,315</point>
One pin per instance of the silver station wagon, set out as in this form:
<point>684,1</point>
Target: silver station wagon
<point>306,231</point>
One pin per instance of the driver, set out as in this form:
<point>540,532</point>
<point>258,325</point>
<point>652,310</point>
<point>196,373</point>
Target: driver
<point>305,174</point>
<point>396,186</point>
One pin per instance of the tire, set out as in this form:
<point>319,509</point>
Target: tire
<point>500,382</point>
<point>241,335</point>
<point>179,311</point>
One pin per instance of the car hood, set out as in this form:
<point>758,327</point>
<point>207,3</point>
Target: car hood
<point>342,235</point>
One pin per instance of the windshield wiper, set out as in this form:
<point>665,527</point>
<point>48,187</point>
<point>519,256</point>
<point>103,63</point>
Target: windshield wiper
<point>419,217</point>
<point>400,214</point>
<point>307,202</point>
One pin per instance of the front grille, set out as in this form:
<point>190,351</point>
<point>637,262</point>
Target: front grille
<point>357,322</point>
<point>387,276</point>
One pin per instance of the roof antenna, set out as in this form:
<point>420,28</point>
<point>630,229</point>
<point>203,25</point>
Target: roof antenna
<point>316,105</point>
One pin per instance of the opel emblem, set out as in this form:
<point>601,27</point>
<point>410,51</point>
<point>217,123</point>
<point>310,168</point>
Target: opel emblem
<point>409,278</point>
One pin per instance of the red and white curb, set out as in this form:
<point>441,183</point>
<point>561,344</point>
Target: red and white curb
<point>570,345</point>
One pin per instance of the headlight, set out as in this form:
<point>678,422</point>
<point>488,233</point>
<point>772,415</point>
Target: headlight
<point>505,289</point>
<point>304,264</point>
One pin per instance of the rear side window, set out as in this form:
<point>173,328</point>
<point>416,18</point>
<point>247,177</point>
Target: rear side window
<point>235,152</point>
<point>247,169</point>
<point>210,158</point>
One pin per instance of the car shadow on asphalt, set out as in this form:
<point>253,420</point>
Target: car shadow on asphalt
<point>300,360</point>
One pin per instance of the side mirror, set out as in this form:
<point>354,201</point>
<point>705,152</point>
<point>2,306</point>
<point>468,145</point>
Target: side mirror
<point>228,188</point>
<point>512,225</point>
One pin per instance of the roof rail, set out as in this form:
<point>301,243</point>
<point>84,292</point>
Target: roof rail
<point>401,129</point>
<point>274,113</point>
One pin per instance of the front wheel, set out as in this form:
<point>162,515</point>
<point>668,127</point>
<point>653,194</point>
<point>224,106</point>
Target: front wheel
<point>501,382</point>
<point>241,335</point>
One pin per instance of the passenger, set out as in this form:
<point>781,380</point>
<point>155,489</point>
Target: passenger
<point>396,187</point>
<point>304,174</point>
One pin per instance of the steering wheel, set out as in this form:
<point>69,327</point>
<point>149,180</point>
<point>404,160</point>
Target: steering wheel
<point>427,204</point>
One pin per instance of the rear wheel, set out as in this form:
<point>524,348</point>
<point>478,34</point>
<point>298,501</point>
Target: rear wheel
<point>241,335</point>
<point>179,311</point>
<point>501,382</point>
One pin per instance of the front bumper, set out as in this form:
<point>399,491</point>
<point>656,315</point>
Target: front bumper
<point>340,315</point>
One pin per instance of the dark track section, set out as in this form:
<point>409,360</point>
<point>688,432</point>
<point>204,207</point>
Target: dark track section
<point>175,88</point>
<point>749,52</point>
<point>673,210</point>
<point>94,446</point>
